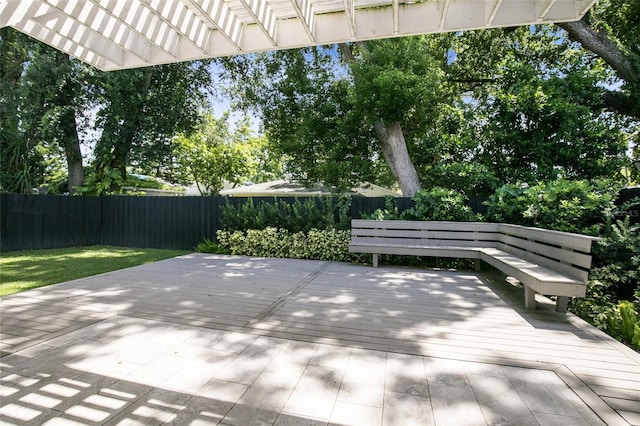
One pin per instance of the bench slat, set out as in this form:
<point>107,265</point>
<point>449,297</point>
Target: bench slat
<point>382,241</point>
<point>401,249</point>
<point>425,225</point>
<point>427,235</point>
<point>534,258</point>
<point>550,252</point>
<point>563,239</point>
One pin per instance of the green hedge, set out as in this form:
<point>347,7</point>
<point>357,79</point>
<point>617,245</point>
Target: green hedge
<point>296,216</point>
<point>326,244</point>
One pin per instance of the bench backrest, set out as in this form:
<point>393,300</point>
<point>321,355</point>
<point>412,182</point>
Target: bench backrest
<point>562,251</point>
<point>432,233</point>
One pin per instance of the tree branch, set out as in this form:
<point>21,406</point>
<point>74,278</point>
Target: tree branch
<point>619,102</point>
<point>347,54</point>
<point>599,43</point>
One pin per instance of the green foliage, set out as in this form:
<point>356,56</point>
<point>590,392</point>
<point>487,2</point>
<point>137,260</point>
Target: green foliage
<point>326,244</point>
<point>209,246</point>
<point>139,111</point>
<point>296,216</point>
<point>20,164</point>
<point>535,109</point>
<point>617,258</point>
<point>390,211</point>
<point>52,116</point>
<point>440,204</point>
<point>304,97</point>
<point>613,281</point>
<point>108,182</point>
<point>434,204</point>
<point>562,205</point>
<point>398,80</point>
<point>214,154</point>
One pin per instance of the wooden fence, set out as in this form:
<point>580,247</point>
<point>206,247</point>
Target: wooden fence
<point>51,221</point>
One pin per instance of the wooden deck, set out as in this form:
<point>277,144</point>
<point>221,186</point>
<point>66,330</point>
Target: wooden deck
<point>437,315</point>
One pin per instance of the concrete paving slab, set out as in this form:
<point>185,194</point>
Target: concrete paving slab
<point>304,342</point>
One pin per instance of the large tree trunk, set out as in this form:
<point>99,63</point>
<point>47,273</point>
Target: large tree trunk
<point>119,133</point>
<point>74,160</point>
<point>394,145</point>
<point>394,149</point>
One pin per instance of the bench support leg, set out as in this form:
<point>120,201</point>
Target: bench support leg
<point>476,263</point>
<point>562,303</point>
<point>375,260</point>
<point>529,298</point>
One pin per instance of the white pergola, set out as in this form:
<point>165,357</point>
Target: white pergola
<point>119,34</point>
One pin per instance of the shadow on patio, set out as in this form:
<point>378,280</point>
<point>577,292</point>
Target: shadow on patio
<point>431,343</point>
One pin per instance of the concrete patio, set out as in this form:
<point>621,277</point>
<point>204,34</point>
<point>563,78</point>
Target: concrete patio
<point>208,339</point>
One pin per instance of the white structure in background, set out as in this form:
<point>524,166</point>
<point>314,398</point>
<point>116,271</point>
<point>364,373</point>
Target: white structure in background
<point>118,34</point>
<point>283,188</point>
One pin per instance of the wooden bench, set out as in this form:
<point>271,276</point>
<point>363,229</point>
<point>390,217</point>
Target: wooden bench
<point>544,261</point>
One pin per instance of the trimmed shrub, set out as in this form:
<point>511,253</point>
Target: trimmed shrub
<point>326,244</point>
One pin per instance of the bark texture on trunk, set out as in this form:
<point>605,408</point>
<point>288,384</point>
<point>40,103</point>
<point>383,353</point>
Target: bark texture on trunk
<point>74,162</point>
<point>394,149</point>
<point>602,45</point>
<point>599,43</point>
<point>392,141</point>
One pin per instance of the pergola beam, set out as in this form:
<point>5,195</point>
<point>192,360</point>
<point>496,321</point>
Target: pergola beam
<point>263,16</point>
<point>350,12</point>
<point>546,10</point>
<point>445,13</point>
<point>304,10</point>
<point>217,14</point>
<point>117,34</point>
<point>494,11</point>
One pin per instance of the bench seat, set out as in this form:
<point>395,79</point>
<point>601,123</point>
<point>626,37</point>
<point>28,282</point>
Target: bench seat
<point>415,250</point>
<point>544,261</point>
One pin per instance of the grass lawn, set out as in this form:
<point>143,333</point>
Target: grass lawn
<point>23,270</point>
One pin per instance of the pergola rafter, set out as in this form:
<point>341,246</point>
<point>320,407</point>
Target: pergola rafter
<point>117,34</point>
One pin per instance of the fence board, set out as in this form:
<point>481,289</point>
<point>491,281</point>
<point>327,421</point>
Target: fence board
<point>628,194</point>
<point>51,221</point>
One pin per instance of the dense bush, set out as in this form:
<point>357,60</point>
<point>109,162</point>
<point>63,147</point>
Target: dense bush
<point>296,216</point>
<point>326,244</point>
<point>563,205</point>
<point>613,291</point>
<point>433,204</point>
<point>440,204</point>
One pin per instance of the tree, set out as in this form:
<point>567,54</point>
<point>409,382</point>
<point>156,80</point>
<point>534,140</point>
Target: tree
<point>336,116</point>
<point>141,110</point>
<point>214,154</point>
<point>53,101</point>
<point>398,86</point>
<point>536,110</point>
<point>610,30</point>
<point>19,161</point>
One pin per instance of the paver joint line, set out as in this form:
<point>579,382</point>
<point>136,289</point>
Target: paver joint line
<point>485,357</point>
<point>51,336</point>
<point>275,306</point>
